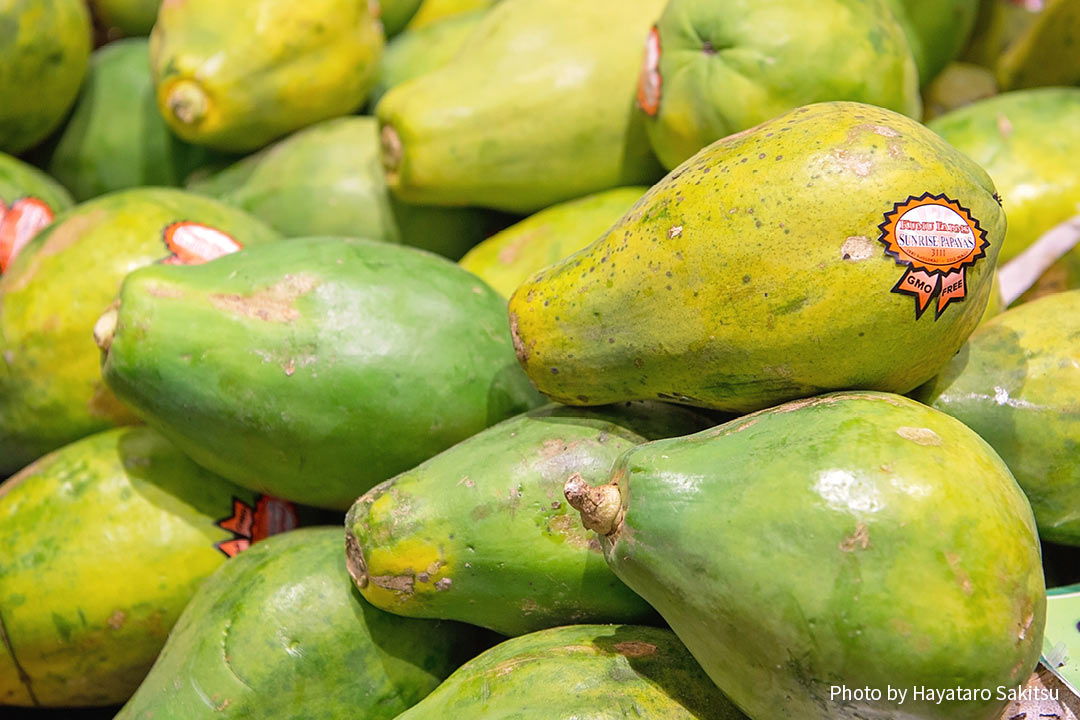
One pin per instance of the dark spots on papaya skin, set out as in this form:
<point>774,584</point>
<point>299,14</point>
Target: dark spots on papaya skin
<point>354,560</point>
<point>635,649</point>
<point>397,583</point>
<point>273,304</point>
<point>860,539</point>
<point>24,677</point>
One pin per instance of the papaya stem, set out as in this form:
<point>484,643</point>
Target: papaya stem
<point>600,506</point>
<point>105,327</point>
<point>187,102</point>
<point>392,152</point>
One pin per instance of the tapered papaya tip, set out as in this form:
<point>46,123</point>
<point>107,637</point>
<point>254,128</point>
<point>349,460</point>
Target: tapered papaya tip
<point>600,506</point>
<point>391,152</point>
<point>354,560</point>
<point>187,102</point>
<point>105,327</point>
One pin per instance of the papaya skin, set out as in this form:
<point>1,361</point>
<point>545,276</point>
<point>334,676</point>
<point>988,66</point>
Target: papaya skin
<point>236,78</point>
<point>479,533</point>
<point>725,67</point>
<point>1015,383</point>
<point>510,257</point>
<point>937,31</point>
<point>324,365</point>
<point>116,138</point>
<point>1045,52</point>
<point>615,672</point>
<point>753,273</point>
<point>434,11</point>
<point>127,18</point>
<point>19,180</point>
<point>51,391</point>
<point>279,631</point>
<point>1026,140</point>
<point>130,524</point>
<point>395,14</point>
<point>857,539</point>
<point>43,59</point>
<point>556,122</point>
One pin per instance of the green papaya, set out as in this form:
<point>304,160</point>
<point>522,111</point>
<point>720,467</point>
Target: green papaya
<point>322,366</point>
<point>712,69</point>
<point>937,31</point>
<point>116,138</point>
<point>1026,140</point>
<point>996,304</point>
<point>774,264</point>
<point>29,200</point>
<point>395,14</point>
<point>105,541</point>
<point>126,18</point>
<point>435,11</point>
<point>51,391</point>
<point>1030,43</point>
<point>556,122</point>
<point>44,51</point>
<point>235,77</point>
<point>1015,384</point>
<point>958,85</point>
<point>479,534</point>
<point>420,51</point>
<point>508,258</point>
<point>327,180</point>
<point>279,632</point>
<point>853,540</point>
<point>599,672</point>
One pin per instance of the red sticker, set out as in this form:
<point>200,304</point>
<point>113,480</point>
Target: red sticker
<point>194,243</point>
<point>938,240</point>
<point>649,82</point>
<point>18,226</point>
<point>270,516</point>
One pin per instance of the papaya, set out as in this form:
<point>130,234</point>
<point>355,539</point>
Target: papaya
<point>508,258</point>
<point>1028,44</point>
<point>327,180</point>
<point>754,273</point>
<point>420,51</point>
<point>322,366</point>
<point>235,77</point>
<point>435,11</point>
<point>958,85</point>
<point>996,304</point>
<point>43,57</point>
<point>51,391</point>
<point>116,138</point>
<point>600,672</point>
<point>1015,384</point>
<point>555,123</point>
<point>126,18</point>
<point>105,541</point>
<point>29,200</point>
<point>395,14</point>
<point>712,69</point>
<point>1025,140</point>
<point>279,632</point>
<point>852,540</point>
<point>937,31</point>
<point>478,533</point>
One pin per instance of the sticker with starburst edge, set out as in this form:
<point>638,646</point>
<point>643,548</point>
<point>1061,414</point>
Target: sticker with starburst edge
<point>19,224</point>
<point>250,524</point>
<point>937,239</point>
<point>192,243</point>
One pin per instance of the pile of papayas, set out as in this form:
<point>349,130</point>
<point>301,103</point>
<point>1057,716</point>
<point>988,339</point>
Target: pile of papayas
<point>539,359</point>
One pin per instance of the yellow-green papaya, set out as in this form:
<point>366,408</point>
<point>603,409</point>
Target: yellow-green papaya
<point>508,258</point>
<point>1016,383</point>
<point>327,180</point>
<point>554,123</point>
<point>420,51</point>
<point>937,31</point>
<point>958,85</point>
<point>126,18</point>
<point>116,138</point>
<point>1027,141</point>
<point>322,366</point>
<point>29,200</point>
<point>789,260</point>
<point>104,542</point>
<point>44,51</point>
<point>235,77</point>
<point>434,11</point>
<point>395,14</point>
<point>1028,43</point>
<point>853,541</point>
<point>51,392</point>
<point>712,69</point>
<point>599,672</point>
<point>479,533</point>
<point>279,632</point>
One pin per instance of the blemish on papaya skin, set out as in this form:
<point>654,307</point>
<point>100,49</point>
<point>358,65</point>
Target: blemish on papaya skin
<point>1004,127</point>
<point>635,649</point>
<point>24,677</point>
<point>398,583</point>
<point>164,291</point>
<point>858,539</point>
<point>273,304</point>
<point>920,436</point>
<point>354,560</point>
<point>856,248</point>
<point>962,578</point>
<point>116,620</point>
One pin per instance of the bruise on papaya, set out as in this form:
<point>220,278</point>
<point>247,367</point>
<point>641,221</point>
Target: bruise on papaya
<point>272,304</point>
